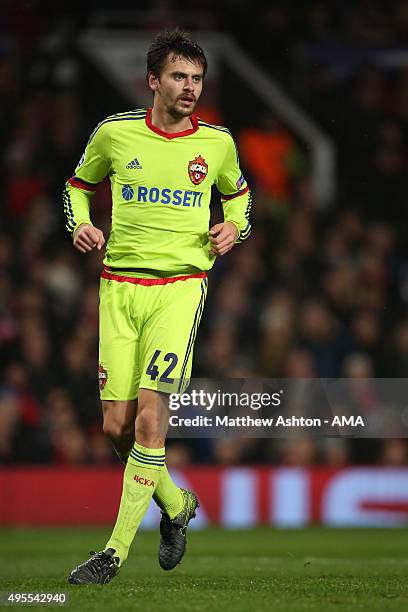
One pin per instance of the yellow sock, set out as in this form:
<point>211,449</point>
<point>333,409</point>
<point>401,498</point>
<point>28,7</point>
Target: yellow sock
<point>140,479</point>
<point>167,495</point>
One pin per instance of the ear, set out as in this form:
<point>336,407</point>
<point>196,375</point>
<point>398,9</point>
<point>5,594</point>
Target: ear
<point>153,81</point>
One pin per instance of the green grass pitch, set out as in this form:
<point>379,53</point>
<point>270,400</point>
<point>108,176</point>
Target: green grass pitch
<point>241,571</point>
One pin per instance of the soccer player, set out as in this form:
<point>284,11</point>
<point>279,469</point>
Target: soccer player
<point>161,163</point>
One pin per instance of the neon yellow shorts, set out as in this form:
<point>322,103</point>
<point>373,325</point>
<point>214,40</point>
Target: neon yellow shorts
<point>147,333</point>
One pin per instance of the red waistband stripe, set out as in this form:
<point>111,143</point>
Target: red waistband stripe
<point>147,282</point>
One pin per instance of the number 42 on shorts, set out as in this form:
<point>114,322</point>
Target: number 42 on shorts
<point>152,369</point>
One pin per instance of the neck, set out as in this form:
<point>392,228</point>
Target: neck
<point>165,122</point>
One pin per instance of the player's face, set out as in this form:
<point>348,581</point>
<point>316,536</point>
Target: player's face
<point>179,87</point>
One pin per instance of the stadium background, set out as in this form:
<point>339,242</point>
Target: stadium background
<point>318,291</point>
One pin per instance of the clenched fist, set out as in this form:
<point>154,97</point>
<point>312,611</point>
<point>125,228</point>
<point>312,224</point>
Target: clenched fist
<point>222,237</point>
<point>87,237</point>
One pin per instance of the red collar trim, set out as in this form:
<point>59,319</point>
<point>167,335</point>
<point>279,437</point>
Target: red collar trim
<point>170,135</point>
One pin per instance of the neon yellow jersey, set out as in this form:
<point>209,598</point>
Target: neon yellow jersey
<point>161,191</point>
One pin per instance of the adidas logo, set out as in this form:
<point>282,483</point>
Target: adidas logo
<point>134,165</point>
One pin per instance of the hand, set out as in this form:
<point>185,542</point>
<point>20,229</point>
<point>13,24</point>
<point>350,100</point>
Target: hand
<point>222,237</point>
<point>86,237</point>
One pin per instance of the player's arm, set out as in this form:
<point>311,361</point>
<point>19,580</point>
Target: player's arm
<point>236,203</point>
<point>80,188</point>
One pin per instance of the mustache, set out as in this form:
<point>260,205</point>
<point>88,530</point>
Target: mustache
<point>190,96</point>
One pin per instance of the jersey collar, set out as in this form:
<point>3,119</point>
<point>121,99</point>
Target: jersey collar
<point>170,135</point>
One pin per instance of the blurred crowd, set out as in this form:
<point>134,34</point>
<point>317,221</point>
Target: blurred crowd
<point>315,292</point>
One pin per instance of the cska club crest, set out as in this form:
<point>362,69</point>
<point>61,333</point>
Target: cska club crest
<point>197,170</point>
<point>103,377</point>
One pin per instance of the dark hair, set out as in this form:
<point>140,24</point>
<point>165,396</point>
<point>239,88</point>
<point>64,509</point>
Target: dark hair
<point>179,43</point>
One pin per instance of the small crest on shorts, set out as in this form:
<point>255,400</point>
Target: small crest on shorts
<point>197,170</point>
<point>103,377</point>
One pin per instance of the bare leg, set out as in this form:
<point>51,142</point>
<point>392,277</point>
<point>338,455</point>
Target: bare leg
<point>119,424</point>
<point>152,421</point>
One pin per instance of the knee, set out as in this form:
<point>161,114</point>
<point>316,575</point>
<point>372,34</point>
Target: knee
<point>148,425</point>
<point>146,422</point>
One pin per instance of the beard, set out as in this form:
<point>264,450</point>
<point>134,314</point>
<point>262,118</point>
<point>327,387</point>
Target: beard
<point>178,111</point>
